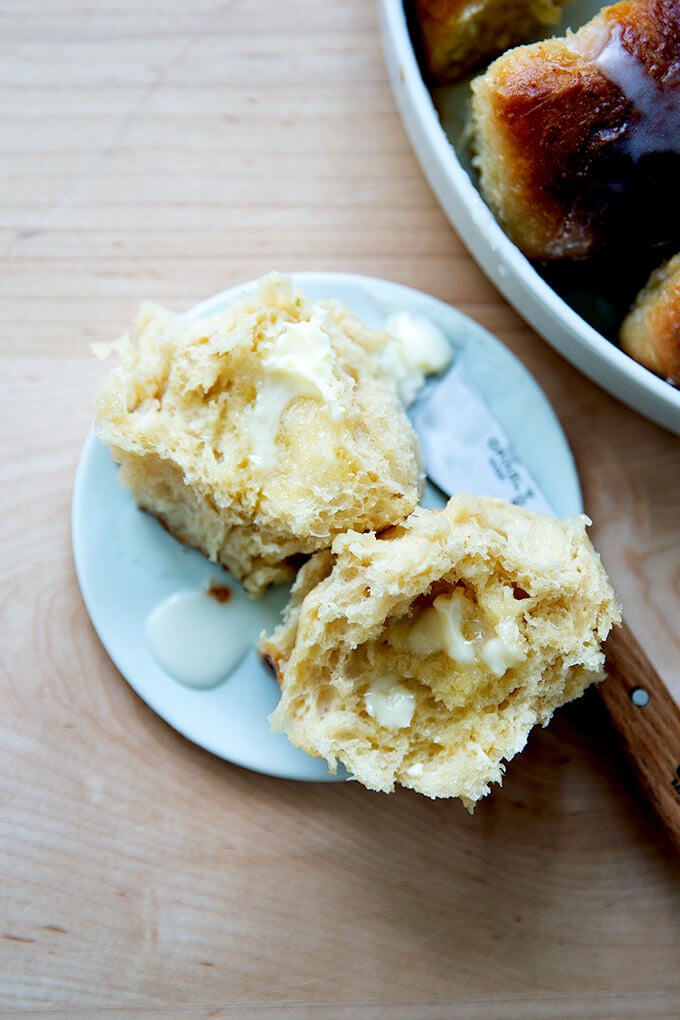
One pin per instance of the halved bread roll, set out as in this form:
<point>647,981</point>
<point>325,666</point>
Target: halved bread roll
<point>260,434</point>
<point>424,655</point>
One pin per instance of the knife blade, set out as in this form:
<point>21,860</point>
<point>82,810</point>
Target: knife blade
<point>465,448</point>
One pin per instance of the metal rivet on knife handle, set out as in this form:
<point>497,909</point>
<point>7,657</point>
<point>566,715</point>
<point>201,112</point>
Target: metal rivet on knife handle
<point>651,738</point>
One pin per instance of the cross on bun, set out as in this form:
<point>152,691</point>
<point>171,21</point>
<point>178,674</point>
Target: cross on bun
<point>577,138</point>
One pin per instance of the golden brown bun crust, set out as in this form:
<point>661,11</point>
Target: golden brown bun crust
<point>651,331</point>
<point>364,640</point>
<point>458,35</point>
<point>570,144</point>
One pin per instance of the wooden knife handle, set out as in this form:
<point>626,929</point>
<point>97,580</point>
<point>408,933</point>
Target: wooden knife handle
<point>648,719</point>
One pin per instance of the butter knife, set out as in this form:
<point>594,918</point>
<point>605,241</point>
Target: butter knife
<point>465,447</point>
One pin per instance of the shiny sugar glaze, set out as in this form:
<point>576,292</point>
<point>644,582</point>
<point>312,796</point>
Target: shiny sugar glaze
<point>632,169</point>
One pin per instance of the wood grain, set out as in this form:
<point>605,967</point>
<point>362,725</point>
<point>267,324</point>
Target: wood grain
<point>648,720</point>
<point>167,152</point>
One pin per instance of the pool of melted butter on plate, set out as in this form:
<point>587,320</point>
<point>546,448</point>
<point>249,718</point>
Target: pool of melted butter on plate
<point>198,636</point>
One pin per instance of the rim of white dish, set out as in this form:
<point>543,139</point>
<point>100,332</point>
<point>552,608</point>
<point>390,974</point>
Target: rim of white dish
<point>512,274</point>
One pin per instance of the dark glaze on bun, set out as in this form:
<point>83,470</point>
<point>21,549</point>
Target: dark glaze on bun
<point>578,138</point>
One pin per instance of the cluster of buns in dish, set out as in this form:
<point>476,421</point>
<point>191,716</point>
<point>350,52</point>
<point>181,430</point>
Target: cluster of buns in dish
<point>418,646</point>
<point>577,139</point>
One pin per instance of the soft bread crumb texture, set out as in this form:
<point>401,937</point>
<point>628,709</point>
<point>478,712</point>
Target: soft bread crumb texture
<point>458,35</point>
<point>650,333</point>
<point>224,433</point>
<point>423,656</point>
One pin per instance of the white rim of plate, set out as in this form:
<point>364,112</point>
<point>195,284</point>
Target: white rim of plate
<point>501,260</point>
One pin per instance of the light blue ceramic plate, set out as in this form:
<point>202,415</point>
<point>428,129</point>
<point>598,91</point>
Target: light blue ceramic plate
<point>127,564</point>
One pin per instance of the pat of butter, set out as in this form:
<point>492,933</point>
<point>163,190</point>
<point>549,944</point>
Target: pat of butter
<point>419,348</point>
<point>300,363</point>
<point>499,656</point>
<point>504,649</point>
<point>390,703</point>
<point>439,628</point>
<point>302,358</point>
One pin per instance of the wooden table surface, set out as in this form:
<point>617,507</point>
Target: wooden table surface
<point>168,151</point>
